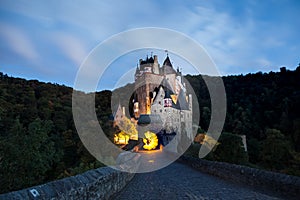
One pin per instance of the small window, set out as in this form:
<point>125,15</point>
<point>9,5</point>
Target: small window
<point>160,110</point>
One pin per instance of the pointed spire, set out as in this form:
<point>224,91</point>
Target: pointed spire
<point>167,62</point>
<point>137,71</point>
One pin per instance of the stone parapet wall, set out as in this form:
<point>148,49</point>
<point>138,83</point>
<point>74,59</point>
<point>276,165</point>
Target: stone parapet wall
<point>280,183</point>
<point>100,183</point>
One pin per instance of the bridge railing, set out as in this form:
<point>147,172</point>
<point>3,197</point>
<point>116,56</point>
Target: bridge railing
<point>99,183</point>
<point>283,184</point>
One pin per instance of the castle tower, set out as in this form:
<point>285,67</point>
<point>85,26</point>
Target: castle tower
<point>146,81</point>
<point>148,77</point>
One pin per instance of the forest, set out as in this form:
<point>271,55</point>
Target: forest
<point>39,142</point>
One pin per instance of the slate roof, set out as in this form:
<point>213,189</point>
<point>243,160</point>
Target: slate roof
<point>148,60</point>
<point>167,67</point>
<point>167,62</point>
<point>167,88</point>
<point>182,103</point>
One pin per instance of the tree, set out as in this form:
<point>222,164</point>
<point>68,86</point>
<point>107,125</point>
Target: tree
<point>205,118</point>
<point>128,127</point>
<point>275,152</point>
<point>231,149</point>
<point>26,155</point>
<point>253,147</point>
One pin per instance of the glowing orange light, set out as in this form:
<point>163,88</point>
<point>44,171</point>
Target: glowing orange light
<point>150,141</point>
<point>121,138</point>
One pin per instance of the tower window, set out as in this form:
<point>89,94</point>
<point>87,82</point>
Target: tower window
<point>168,102</point>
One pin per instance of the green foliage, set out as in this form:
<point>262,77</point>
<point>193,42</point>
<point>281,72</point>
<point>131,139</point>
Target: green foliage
<point>254,148</point>
<point>193,150</point>
<point>38,136</point>
<point>26,155</point>
<point>256,102</point>
<point>127,127</point>
<point>230,149</point>
<point>38,139</point>
<point>276,151</point>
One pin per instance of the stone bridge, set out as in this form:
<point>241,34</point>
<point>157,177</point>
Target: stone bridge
<point>188,178</point>
<point>179,181</point>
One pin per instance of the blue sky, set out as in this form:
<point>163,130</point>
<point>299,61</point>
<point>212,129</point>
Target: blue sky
<point>48,40</point>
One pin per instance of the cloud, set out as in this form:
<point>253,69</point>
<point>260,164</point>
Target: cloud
<point>72,47</point>
<point>240,37</point>
<point>234,44</point>
<point>19,42</point>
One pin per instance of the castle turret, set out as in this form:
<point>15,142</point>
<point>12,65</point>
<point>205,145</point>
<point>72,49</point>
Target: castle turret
<point>137,72</point>
<point>155,65</point>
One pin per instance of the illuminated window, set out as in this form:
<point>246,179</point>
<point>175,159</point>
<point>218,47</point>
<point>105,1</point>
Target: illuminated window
<point>168,102</point>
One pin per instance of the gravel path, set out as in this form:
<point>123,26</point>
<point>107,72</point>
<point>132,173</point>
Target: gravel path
<point>179,181</point>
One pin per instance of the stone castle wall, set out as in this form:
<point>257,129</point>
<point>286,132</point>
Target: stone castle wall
<point>99,183</point>
<point>145,84</point>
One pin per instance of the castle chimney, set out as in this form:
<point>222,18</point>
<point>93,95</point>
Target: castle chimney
<point>155,59</point>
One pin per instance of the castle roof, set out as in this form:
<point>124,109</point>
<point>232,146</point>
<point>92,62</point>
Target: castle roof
<point>148,60</point>
<point>167,67</point>
<point>137,71</point>
<point>151,60</point>
<point>167,62</point>
<point>118,111</point>
<point>178,73</point>
<point>147,119</point>
<point>182,103</point>
<point>167,88</point>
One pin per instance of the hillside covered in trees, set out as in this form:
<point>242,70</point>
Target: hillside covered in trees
<point>38,139</point>
<point>265,108</point>
<point>39,142</point>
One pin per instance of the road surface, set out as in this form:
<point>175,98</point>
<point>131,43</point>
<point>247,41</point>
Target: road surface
<point>179,181</point>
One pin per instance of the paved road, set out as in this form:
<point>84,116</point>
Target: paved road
<point>179,181</point>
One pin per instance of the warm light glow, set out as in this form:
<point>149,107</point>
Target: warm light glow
<point>206,140</point>
<point>174,98</point>
<point>148,109</point>
<point>121,138</point>
<point>150,141</point>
